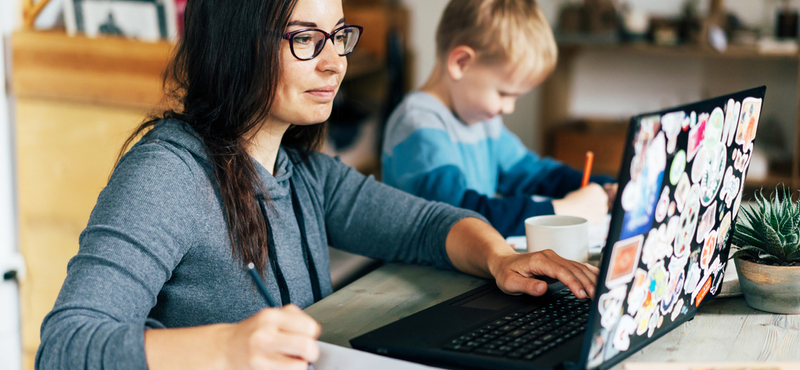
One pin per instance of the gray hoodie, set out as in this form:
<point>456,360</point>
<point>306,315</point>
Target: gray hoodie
<point>156,251</point>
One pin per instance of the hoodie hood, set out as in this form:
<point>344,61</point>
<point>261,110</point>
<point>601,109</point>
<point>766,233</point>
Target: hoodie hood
<point>180,135</point>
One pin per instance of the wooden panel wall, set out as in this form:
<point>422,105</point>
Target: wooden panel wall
<point>65,152</point>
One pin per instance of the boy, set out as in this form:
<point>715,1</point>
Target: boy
<point>447,142</point>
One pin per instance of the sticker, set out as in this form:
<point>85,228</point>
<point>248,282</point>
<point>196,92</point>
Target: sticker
<point>641,193</point>
<point>610,306</point>
<point>730,187</point>
<point>712,137</point>
<point>643,317</point>
<point>701,293</point>
<point>707,222</point>
<point>676,310</point>
<point>658,281</point>
<point>740,160</point>
<point>696,136</point>
<point>693,276</point>
<point>630,196</point>
<point>662,207</point>
<point>715,266</point>
<point>699,167</point>
<point>722,231</point>
<point>622,334</point>
<point>671,125</point>
<point>673,293</point>
<point>731,120</point>
<point>596,350</point>
<point>662,236</point>
<point>748,123</point>
<point>677,265</point>
<point>718,278</point>
<point>639,291</point>
<point>677,167</point>
<point>624,259</point>
<point>682,191</point>
<point>709,247</point>
<point>651,326</point>
<point>655,249</point>
<point>687,223</point>
<point>712,176</point>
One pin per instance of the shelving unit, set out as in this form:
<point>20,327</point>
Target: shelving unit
<point>562,140</point>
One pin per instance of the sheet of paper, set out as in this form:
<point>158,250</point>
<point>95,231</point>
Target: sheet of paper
<point>333,357</point>
<point>711,366</point>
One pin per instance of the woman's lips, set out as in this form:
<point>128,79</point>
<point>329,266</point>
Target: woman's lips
<point>328,92</point>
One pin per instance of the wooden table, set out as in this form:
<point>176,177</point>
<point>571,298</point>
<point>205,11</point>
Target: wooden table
<point>393,291</point>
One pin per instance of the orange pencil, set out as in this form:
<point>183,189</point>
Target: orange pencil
<point>587,168</point>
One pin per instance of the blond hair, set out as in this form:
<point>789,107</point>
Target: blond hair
<point>500,31</point>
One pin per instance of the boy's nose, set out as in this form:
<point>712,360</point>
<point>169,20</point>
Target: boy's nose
<point>508,107</point>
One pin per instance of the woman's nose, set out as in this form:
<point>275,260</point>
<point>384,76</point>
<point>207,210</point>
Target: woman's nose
<point>329,59</point>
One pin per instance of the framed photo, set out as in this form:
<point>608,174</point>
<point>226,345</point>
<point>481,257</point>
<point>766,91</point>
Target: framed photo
<point>146,20</point>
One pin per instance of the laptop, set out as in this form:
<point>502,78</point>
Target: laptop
<point>680,187</point>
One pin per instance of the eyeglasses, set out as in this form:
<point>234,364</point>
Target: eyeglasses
<point>307,43</point>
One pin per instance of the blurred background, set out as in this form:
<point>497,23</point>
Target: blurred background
<point>78,75</point>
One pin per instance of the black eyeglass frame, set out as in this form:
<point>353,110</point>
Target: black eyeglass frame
<point>328,36</point>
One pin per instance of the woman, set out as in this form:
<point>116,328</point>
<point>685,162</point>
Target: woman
<point>230,179</point>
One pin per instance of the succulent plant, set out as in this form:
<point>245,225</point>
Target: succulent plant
<point>769,231</point>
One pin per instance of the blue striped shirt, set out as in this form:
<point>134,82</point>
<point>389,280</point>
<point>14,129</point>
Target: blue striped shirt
<point>484,167</point>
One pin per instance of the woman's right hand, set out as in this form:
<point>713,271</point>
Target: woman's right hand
<point>273,338</point>
<point>589,202</point>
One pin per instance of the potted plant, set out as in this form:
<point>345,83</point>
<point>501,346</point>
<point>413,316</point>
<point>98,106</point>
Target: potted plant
<point>768,258</point>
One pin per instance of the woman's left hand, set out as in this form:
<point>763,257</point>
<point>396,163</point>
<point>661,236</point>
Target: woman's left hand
<point>517,273</point>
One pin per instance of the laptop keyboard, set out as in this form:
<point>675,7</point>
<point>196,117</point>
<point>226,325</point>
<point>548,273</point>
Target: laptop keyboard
<point>527,334</point>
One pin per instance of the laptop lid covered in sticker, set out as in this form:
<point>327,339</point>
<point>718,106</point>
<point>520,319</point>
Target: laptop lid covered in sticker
<point>681,185</point>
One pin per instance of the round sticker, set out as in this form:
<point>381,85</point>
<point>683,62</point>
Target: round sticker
<point>714,127</point>
<point>712,178</point>
<point>677,168</point>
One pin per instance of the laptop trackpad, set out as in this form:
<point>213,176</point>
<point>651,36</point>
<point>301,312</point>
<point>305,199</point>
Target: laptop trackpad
<point>495,299</point>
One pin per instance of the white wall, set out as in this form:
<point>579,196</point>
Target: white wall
<point>10,345</point>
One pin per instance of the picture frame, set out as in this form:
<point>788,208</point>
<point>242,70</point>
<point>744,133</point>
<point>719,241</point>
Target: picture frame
<point>145,20</point>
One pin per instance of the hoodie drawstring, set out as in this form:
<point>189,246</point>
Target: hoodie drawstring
<point>307,256</point>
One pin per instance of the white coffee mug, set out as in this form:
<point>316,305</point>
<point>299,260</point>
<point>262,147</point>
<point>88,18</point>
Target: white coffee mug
<point>568,236</point>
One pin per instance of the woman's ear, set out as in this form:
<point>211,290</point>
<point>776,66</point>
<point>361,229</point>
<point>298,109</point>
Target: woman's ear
<point>459,60</point>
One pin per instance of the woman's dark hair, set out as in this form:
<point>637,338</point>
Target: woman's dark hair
<point>223,77</point>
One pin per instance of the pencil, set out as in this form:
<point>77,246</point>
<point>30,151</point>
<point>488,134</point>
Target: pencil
<point>251,268</point>
<point>260,284</point>
<point>587,168</point>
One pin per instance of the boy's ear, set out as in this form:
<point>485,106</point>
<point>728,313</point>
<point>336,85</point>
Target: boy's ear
<point>459,60</point>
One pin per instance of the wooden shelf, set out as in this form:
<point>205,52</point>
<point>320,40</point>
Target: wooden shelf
<point>107,71</point>
<point>732,52</point>
<point>556,94</point>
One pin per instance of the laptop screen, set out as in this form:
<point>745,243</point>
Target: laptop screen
<point>681,185</point>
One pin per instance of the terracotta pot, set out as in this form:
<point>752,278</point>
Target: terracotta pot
<point>770,288</point>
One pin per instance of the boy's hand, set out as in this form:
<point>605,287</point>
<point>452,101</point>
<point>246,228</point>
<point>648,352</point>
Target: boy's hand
<point>516,274</point>
<point>590,202</point>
